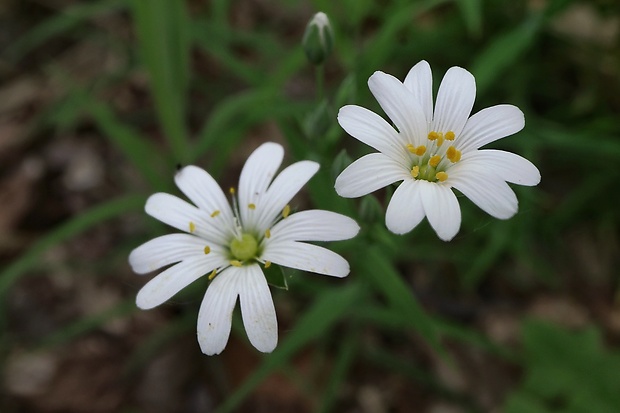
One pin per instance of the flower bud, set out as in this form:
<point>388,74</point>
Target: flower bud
<point>318,39</point>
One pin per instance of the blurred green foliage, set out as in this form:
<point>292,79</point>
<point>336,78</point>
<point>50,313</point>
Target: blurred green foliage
<point>566,81</point>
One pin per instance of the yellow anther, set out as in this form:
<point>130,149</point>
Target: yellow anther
<point>450,135</point>
<point>286,211</point>
<point>215,213</point>
<point>192,227</point>
<point>207,249</point>
<point>267,264</point>
<point>440,140</point>
<point>410,148</point>
<point>457,156</point>
<point>420,150</point>
<point>235,263</point>
<point>434,161</point>
<point>432,135</point>
<point>453,154</point>
<point>232,190</point>
<point>213,274</point>
<point>415,171</point>
<point>441,176</point>
<point>252,206</point>
<point>267,233</point>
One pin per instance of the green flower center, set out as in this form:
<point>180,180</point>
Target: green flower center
<point>430,163</point>
<point>244,248</point>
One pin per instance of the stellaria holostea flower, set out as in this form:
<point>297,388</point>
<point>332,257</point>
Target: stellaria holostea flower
<point>231,243</point>
<point>433,151</point>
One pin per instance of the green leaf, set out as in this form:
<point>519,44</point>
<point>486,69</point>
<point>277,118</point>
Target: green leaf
<point>377,268</point>
<point>503,52</point>
<point>65,231</point>
<point>164,40</point>
<point>59,23</point>
<point>472,14</point>
<point>328,309</point>
<point>134,146</point>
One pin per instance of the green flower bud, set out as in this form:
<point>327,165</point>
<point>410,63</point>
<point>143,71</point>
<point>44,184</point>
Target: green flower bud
<point>318,39</point>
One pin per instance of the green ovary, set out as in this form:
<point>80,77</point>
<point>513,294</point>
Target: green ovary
<point>244,248</point>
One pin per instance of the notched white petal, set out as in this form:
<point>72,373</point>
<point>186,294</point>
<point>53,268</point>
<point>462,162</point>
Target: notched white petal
<point>315,225</point>
<point>400,105</point>
<point>174,279</point>
<point>506,165</point>
<point>283,188</point>
<point>257,309</point>
<point>369,173</point>
<point>306,257</point>
<point>165,250</point>
<point>489,125</point>
<point>441,208</point>
<point>200,187</point>
<point>419,81</point>
<point>489,192</point>
<point>371,129</point>
<point>405,210</point>
<point>455,100</point>
<point>215,315</point>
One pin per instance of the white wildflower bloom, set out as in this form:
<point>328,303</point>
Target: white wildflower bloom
<point>434,150</point>
<point>230,244</point>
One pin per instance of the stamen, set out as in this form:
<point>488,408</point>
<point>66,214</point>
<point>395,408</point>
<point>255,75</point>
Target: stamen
<point>267,233</point>
<point>231,190</point>
<point>410,148</point>
<point>420,150</point>
<point>235,263</point>
<point>450,135</point>
<point>207,249</point>
<point>434,161</point>
<point>440,140</point>
<point>252,206</point>
<point>213,274</point>
<point>453,154</point>
<point>457,157</point>
<point>267,264</point>
<point>286,211</point>
<point>415,171</point>
<point>192,227</point>
<point>441,176</point>
<point>215,213</point>
<point>432,135</point>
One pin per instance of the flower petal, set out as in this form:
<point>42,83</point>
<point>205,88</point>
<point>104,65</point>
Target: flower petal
<point>314,225</point>
<point>174,279</point>
<point>371,129</point>
<point>216,309</point>
<point>281,191</point>
<point>165,250</point>
<point>486,190</point>
<point>455,99</point>
<point>506,165</point>
<point>489,125</point>
<point>441,208</point>
<point>400,105</point>
<point>306,257</point>
<point>256,175</point>
<point>257,310</point>
<point>200,187</point>
<point>369,173</point>
<point>419,81</point>
<point>185,217</point>
<point>405,210</point>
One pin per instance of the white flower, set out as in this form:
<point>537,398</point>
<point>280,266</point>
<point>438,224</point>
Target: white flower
<point>433,151</point>
<point>231,244</point>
